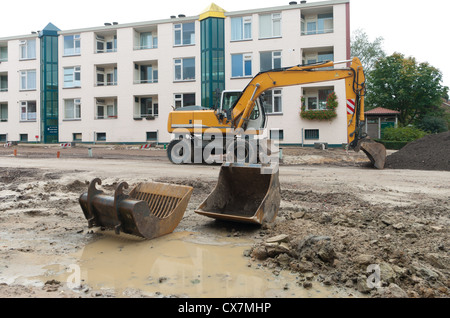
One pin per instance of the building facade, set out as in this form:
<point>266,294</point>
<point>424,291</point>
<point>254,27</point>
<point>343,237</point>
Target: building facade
<point>117,83</point>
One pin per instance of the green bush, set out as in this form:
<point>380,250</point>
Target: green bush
<point>393,145</point>
<point>434,125</point>
<point>406,134</point>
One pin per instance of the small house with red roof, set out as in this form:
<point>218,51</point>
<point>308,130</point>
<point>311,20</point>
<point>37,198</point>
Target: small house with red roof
<point>378,119</point>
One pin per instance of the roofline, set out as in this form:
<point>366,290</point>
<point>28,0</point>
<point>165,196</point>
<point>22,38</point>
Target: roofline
<point>19,37</point>
<point>288,7</point>
<point>190,18</point>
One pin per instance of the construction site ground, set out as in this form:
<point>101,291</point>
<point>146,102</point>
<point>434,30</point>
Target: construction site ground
<point>339,222</point>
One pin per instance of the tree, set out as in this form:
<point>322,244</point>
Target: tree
<point>368,52</point>
<point>414,89</point>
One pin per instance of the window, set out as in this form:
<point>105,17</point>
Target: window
<point>147,107</point>
<point>72,45</point>
<point>317,100</point>
<point>277,134</point>
<point>3,53</point>
<point>184,33</point>
<point>241,28</point>
<point>147,74</point>
<point>184,69</point>
<point>270,25</point>
<point>147,40</point>
<point>241,65</point>
<point>106,108</point>
<point>3,138</point>
<point>270,60</point>
<point>72,77</point>
<point>183,100</point>
<point>272,101</point>
<point>152,136</point>
<point>23,137</point>
<point>3,83</point>
<point>72,109</point>
<point>317,24</point>
<point>311,134</point>
<point>3,112</point>
<point>77,136</point>
<point>28,80</point>
<point>28,111</point>
<point>27,49</point>
<point>100,136</point>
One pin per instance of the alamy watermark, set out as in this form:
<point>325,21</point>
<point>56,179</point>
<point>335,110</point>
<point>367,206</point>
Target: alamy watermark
<point>212,146</point>
<point>374,279</point>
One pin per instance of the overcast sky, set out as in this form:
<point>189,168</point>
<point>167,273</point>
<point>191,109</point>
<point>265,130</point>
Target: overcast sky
<point>412,27</point>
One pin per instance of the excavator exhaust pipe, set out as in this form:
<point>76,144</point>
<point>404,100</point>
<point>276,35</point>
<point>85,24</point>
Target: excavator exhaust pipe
<point>244,194</point>
<point>150,210</point>
<point>375,151</point>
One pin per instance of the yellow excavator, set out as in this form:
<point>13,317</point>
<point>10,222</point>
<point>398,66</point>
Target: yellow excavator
<point>242,113</point>
<point>248,189</point>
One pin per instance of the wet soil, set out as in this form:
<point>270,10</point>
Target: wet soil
<point>337,218</point>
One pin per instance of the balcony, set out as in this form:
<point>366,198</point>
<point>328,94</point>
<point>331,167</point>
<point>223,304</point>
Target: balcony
<point>106,108</point>
<point>317,21</point>
<point>3,82</point>
<point>146,72</point>
<point>106,42</point>
<point>146,106</point>
<point>4,52</point>
<point>317,55</point>
<point>146,38</point>
<point>106,75</point>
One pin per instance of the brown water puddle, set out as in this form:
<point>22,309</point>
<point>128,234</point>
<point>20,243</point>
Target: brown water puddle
<point>181,264</point>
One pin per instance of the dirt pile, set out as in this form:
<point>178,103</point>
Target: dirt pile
<point>429,153</point>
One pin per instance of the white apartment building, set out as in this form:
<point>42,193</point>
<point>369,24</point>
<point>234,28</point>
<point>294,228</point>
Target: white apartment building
<point>117,83</point>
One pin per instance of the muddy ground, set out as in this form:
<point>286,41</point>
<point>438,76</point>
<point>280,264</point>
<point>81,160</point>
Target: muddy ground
<point>339,222</point>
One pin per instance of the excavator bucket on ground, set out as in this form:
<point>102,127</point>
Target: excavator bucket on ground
<point>244,193</point>
<point>150,210</point>
<point>375,151</point>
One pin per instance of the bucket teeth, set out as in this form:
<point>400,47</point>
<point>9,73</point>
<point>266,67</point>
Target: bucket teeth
<point>150,209</point>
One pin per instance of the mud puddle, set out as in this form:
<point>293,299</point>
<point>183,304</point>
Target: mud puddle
<point>181,264</point>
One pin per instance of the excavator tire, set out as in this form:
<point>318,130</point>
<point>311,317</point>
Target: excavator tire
<point>179,151</point>
<point>242,151</point>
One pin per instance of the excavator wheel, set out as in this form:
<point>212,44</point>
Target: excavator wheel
<point>179,151</point>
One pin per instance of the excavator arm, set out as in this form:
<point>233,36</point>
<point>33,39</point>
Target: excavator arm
<point>300,75</point>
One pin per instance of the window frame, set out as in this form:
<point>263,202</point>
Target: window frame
<point>182,71</point>
<point>76,109</point>
<point>24,77</point>
<point>244,20</point>
<point>273,19</point>
<point>75,70</point>
<point>179,28</point>
<point>273,58</point>
<point>76,38</point>
<point>28,112</point>
<point>276,93</point>
<point>180,98</point>
<point>246,57</point>
<point>25,44</point>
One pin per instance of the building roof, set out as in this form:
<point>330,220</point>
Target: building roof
<point>212,11</point>
<point>381,111</point>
